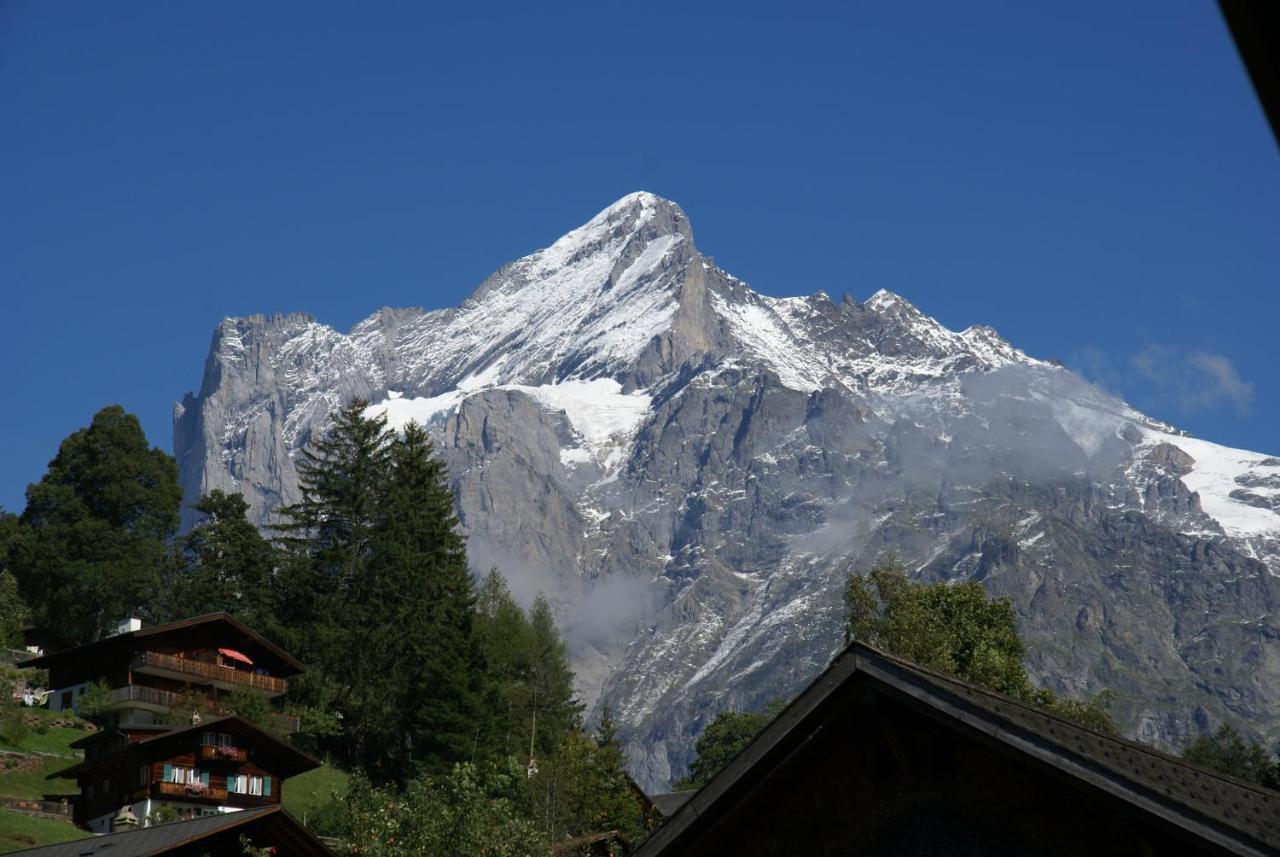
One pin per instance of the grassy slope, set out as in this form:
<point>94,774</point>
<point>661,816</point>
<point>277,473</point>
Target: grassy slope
<point>308,794</point>
<point>19,831</point>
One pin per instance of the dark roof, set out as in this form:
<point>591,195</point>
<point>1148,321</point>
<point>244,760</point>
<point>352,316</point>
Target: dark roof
<point>1233,814</point>
<point>46,660</point>
<point>1256,29</point>
<point>95,735</point>
<point>165,838</point>
<point>669,803</point>
<point>233,724</point>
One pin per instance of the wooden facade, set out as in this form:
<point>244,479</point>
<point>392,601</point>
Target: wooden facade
<point>218,766</point>
<point>152,671</point>
<point>169,741</point>
<point>879,757</point>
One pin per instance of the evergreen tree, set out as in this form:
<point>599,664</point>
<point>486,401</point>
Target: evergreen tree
<point>223,564</point>
<point>419,568</point>
<point>555,711</point>
<point>1229,752</point>
<point>506,643</point>
<point>95,528</point>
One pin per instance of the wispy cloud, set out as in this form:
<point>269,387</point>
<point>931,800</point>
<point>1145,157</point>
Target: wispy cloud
<point>1159,376</point>
<point>1195,381</point>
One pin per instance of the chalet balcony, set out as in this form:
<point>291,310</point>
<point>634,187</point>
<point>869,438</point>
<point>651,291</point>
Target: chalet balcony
<point>182,791</point>
<point>222,754</point>
<point>200,672</point>
<point>158,701</point>
<point>140,697</point>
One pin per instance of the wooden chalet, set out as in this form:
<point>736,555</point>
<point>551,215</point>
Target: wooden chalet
<point>269,828</point>
<point>154,669</point>
<point>167,745</point>
<point>214,767</point>
<point>882,757</point>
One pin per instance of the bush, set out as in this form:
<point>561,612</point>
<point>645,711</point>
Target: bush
<point>14,729</point>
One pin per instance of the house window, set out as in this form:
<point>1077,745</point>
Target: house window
<point>142,775</point>
<point>181,775</point>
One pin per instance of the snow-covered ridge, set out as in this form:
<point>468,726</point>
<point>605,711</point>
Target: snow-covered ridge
<point>1238,489</point>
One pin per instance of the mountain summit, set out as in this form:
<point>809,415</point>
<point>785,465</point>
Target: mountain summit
<point>691,468</point>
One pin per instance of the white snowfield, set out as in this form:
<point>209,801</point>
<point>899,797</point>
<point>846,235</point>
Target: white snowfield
<point>1220,470</point>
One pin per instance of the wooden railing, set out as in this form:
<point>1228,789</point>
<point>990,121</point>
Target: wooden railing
<point>211,672</point>
<point>142,693</point>
<point>181,790</point>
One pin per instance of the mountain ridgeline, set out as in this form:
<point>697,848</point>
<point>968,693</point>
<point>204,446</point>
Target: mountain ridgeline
<point>690,469</point>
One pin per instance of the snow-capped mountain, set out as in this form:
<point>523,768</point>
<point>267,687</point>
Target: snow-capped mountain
<point>691,469</point>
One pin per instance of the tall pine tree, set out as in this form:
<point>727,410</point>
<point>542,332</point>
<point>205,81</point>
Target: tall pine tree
<point>420,568</point>
<point>95,528</point>
<point>327,541</point>
<point>224,563</point>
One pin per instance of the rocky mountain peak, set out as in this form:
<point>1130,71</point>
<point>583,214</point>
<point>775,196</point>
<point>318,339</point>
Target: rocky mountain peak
<point>690,468</point>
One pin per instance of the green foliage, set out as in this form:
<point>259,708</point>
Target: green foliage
<point>93,534</point>
<point>1228,752</point>
<point>724,738</point>
<point>471,812</point>
<point>379,600</point>
<point>223,564</point>
<point>528,665</point>
<point>13,609</point>
<point>956,629</point>
<point>582,788</point>
<point>253,707</point>
<point>13,728</point>
<point>429,651</point>
<point>94,699</point>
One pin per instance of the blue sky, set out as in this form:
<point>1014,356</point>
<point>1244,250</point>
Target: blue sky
<point>1096,180</point>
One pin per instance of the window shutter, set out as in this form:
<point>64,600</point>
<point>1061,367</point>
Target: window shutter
<point>204,778</point>
<point>266,787</point>
<point>168,773</point>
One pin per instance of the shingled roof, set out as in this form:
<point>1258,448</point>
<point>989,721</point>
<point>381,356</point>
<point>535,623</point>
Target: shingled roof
<point>270,822</point>
<point>1229,813</point>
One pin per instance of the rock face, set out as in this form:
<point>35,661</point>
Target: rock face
<point>691,469</point>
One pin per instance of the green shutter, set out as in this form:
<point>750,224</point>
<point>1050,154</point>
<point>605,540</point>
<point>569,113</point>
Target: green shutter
<point>266,787</point>
<point>204,778</point>
<point>168,773</point>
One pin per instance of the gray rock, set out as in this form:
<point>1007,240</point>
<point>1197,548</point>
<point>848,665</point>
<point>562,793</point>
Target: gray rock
<point>691,469</point>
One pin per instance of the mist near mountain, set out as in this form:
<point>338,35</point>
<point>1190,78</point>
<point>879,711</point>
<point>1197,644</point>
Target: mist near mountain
<point>691,469</point>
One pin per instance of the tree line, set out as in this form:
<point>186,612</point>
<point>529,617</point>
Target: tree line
<point>425,685</point>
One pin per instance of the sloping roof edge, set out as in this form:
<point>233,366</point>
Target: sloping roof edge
<point>933,692</point>
<point>43,661</point>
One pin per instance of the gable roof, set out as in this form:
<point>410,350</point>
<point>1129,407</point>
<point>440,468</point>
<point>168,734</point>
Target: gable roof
<point>292,665</point>
<point>1231,813</point>
<point>294,760</point>
<point>165,838</point>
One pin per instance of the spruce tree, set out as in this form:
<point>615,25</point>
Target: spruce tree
<point>223,564</point>
<point>322,590</point>
<point>556,712</point>
<point>95,528</point>
<point>420,571</point>
<point>506,642</point>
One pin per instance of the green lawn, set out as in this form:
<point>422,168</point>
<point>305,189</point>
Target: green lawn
<point>55,740</point>
<point>31,783</point>
<point>18,831</point>
<point>309,797</point>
